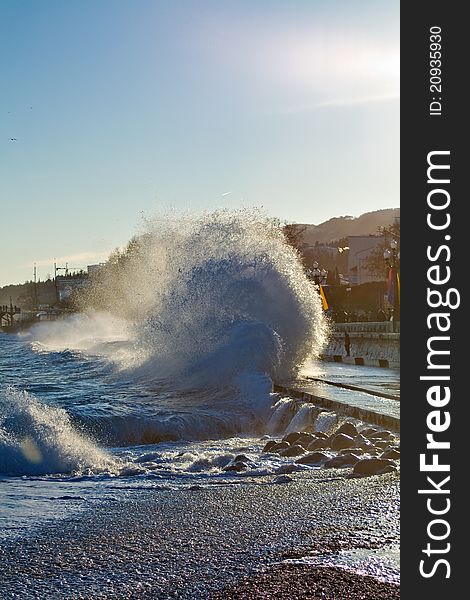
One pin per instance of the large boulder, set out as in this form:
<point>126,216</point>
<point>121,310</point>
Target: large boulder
<point>342,461</point>
<point>392,454</point>
<point>340,441</point>
<point>314,458</point>
<point>348,429</point>
<point>373,466</point>
<point>242,458</point>
<point>279,447</point>
<point>236,465</point>
<point>286,469</point>
<point>319,444</point>
<point>389,469</point>
<point>269,445</point>
<point>294,450</point>
<point>305,439</point>
<point>290,438</point>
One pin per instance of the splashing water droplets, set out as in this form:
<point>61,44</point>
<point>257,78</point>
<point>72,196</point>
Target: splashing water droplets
<point>36,439</point>
<point>200,315</point>
<point>224,288</point>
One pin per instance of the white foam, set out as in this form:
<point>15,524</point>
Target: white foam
<point>217,307</point>
<point>304,418</point>
<point>94,332</point>
<point>36,439</point>
<point>326,421</point>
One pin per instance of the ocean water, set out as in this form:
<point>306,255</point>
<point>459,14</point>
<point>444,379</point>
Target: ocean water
<point>117,424</point>
<point>167,384</point>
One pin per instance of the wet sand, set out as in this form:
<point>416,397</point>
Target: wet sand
<point>202,542</point>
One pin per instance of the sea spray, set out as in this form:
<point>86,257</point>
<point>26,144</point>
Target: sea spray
<point>88,331</point>
<point>203,313</point>
<point>36,439</point>
<point>196,285</point>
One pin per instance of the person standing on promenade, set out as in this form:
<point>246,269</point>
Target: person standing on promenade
<point>347,343</point>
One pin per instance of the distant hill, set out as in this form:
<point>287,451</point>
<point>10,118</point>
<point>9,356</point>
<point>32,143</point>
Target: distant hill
<point>341,227</point>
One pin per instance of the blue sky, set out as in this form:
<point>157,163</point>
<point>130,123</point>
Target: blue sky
<point>124,108</point>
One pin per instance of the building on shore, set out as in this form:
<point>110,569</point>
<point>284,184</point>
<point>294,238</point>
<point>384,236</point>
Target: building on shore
<point>360,249</point>
<point>69,283</point>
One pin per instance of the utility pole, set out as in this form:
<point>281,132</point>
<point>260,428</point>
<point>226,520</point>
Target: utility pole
<point>55,281</point>
<point>392,258</point>
<point>35,293</point>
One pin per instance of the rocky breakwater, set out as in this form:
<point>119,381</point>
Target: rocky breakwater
<point>365,450</point>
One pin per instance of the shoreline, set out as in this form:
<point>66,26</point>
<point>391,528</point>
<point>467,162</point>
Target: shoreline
<point>302,582</point>
<point>201,541</point>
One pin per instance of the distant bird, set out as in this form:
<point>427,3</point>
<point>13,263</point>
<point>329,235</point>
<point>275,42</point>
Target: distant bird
<point>13,140</point>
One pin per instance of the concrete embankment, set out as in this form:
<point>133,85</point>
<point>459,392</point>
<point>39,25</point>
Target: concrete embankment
<point>364,405</point>
<point>371,344</point>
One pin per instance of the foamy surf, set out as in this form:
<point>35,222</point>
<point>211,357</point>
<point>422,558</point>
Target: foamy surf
<point>92,332</point>
<point>36,439</point>
<point>189,326</point>
<point>41,440</point>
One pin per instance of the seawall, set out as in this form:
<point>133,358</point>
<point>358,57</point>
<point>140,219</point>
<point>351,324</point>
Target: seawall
<point>370,408</point>
<point>373,344</point>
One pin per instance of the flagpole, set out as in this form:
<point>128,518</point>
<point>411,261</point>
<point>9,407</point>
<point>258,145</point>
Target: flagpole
<point>392,258</point>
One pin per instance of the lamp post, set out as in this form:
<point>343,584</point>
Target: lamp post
<point>318,275</point>
<point>319,278</point>
<point>392,259</point>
